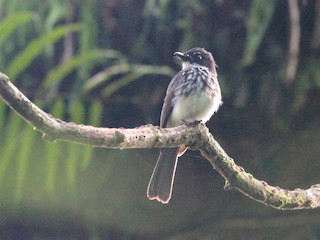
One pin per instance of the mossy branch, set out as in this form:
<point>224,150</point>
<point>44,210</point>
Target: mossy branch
<point>148,136</point>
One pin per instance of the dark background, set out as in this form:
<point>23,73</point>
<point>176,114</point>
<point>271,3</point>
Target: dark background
<point>112,70</point>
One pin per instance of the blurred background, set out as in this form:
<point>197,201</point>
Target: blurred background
<point>108,63</point>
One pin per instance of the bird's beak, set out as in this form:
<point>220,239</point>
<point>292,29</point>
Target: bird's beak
<point>182,56</point>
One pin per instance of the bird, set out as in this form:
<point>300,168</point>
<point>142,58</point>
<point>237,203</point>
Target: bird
<point>193,95</point>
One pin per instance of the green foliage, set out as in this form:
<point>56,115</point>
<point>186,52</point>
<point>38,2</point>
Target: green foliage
<point>72,58</point>
<point>21,146</point>
<point>58,74</point>
<point>10,139</point>
<point>74,153</point>
<point>23,159</point>
<point>52,160</point>
<point>10,23</point>
<point>58,10</point>
<point>34,48</point>
<point>20,150</point>
<point>307,79</point>
<point>53,154</point>
<point>131,73</point>
<point>95,113</point>
<point>260,16</point>
<point>7,26</point>
<point>88,37</point>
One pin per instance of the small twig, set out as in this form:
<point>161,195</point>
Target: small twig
<point>197,136</point>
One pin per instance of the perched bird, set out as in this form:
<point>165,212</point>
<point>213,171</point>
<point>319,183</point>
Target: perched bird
<point>193,95</point>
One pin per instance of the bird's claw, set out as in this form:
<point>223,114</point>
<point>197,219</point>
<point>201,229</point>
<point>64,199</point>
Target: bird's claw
<point>192,124</point>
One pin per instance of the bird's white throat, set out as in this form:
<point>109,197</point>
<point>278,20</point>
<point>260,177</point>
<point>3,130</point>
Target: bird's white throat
<point>188,65</point>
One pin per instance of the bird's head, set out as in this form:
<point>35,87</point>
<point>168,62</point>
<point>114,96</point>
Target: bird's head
<point>196,57</point>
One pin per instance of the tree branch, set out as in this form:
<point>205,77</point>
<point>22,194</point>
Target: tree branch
<point>197,137</point>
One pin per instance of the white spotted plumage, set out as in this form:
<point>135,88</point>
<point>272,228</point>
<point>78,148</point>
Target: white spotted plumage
<point>190,91</point>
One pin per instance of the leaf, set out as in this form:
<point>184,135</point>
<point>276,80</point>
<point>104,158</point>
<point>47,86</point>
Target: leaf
<point>261,12</point>
<point>95,116</point>
<point>23,158</point>
<point>308,78</point>
<point>104,76</point>
<point>120,83</point>
<point>24,59</point>
<point>59,10</point>
<point>10,23</point>
<point>135,72</point>
<point>74,151</point>
<point>72,160</point>
<point>10,140</point>
<point>53,151</point>
<point>88,37</point>
<point>2,116</point>
<point>57,74</point>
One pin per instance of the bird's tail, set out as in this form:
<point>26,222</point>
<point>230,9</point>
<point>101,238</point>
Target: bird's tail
<point>161,181</point>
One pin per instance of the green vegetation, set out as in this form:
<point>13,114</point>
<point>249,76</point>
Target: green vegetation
<point>108,63</point>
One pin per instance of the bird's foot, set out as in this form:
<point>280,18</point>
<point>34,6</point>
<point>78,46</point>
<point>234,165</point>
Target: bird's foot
<point>192,124</point>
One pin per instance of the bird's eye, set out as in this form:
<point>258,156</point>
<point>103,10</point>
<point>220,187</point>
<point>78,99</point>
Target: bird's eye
<point>197,57</point>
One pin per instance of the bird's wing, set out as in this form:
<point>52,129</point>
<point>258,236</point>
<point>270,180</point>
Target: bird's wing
<point>168,105</point>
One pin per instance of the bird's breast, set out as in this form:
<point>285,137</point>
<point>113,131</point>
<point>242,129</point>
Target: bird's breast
<point>194,107</point>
